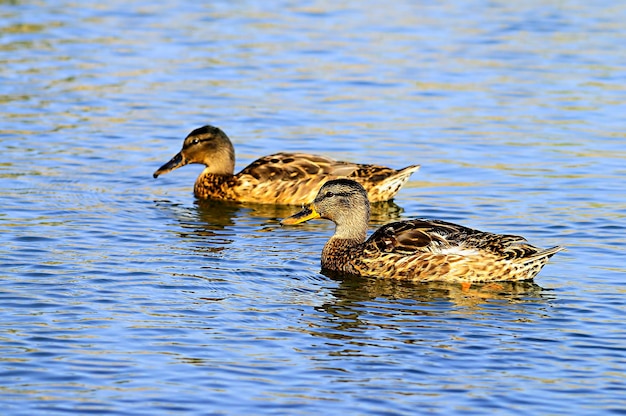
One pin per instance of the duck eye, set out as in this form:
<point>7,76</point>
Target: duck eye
<point>195,141</point>
<point>329,194</point>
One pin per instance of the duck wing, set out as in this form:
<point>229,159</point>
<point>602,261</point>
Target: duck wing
<point>295,178</point>
<point>441,237</point>
<point>296,167</point>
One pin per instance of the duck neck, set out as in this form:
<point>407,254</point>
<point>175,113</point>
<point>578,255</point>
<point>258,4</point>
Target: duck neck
<point>354,231</point>
<point>221,162</point>
<point>221,168</point>
<point>218,174</point>
<point>337,245</point>
<point>210,185</point>
<point>335,252</point>
<point>348,234</point>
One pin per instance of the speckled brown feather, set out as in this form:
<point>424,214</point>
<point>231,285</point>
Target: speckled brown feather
<point>425,250</point>
<point>295,178</point>
<point>282,178</point>
<point>418,250</point>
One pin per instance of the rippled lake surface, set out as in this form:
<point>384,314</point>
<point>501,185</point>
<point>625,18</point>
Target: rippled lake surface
<point>121,294</point>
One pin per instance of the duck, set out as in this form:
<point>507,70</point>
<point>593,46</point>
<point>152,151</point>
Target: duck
<point>281,178</point>
<point>419,250</point>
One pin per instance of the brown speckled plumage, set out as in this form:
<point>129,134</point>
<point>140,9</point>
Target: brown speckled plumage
<point>282,178</point>
<point>419,250</point>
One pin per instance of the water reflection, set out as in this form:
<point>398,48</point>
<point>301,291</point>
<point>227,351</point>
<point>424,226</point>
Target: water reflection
<point>359,304</point>
<point>353,290</point>
<point>214,215</point>
<point>215,211</point>
<point>206,227</point>
<point>384,212</point>
<point>212,226</point>
<point>210,216</point>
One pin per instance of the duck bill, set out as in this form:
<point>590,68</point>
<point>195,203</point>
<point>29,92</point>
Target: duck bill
<point>176,162</point>
<point>307,213</point>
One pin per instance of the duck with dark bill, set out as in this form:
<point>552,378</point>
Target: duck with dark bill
<point>282,178</point>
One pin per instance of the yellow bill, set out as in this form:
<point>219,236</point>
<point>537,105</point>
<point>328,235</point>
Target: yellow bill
<point>307,213</point>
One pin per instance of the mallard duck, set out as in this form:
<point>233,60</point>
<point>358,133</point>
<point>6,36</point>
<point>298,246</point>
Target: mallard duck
<point>418,250</point>
<point>283,178</point>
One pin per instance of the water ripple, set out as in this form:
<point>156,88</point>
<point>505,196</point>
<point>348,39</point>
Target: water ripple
<point>120,294</point>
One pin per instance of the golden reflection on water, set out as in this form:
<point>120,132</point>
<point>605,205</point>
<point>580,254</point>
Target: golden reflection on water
<point>353,290</point>
<point>358,304</point>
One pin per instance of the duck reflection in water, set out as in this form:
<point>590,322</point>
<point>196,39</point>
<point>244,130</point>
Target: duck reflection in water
<point>206,224</point>
<point>359,304</point>
<point>212,224</point>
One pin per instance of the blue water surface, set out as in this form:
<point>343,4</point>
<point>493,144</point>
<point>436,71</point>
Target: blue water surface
<point>123,295</point>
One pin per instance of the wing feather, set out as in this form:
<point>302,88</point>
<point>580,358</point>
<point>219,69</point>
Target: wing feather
<point>441,237</point>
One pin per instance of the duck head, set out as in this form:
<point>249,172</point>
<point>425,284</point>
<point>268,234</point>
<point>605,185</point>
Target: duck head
<point>207,145</point>
<point>341,201</point>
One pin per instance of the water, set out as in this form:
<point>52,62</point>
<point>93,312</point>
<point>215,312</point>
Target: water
<point>120,294</point>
